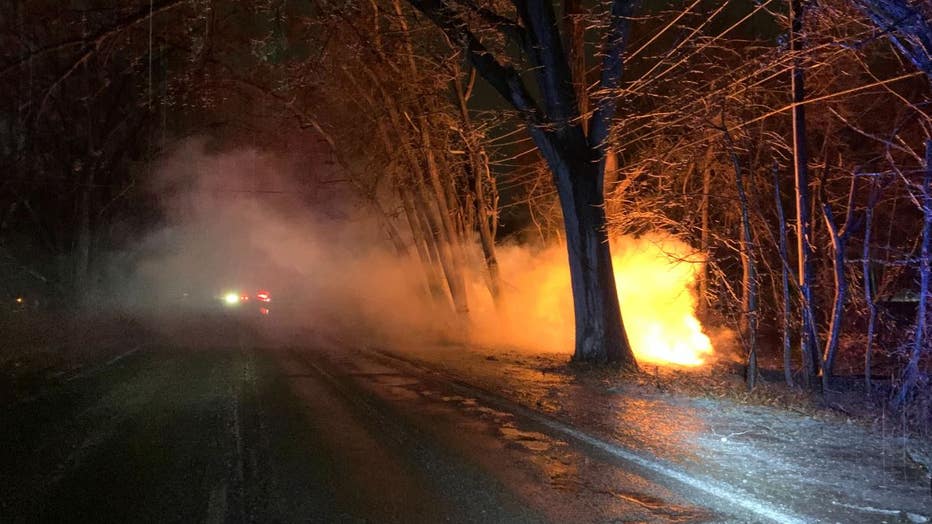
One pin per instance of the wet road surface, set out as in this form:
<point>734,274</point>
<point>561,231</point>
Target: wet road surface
<point>309,434</point>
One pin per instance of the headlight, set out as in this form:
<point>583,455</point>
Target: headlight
<point>231,299</point>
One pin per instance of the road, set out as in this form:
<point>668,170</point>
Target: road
<point>241,431</point>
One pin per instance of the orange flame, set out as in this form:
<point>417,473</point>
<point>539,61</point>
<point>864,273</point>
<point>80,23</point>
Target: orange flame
<point>655,279</point>
<point>655,276</point>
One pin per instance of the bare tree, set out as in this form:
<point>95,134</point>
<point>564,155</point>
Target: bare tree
<point>804,248</point>
<point>784,278</point>
<point>575,157</point>
<point>911,372</point>
<point>867,277</point>
<point>748,267</point>
<point>477,166</point>
<point>839,235</point>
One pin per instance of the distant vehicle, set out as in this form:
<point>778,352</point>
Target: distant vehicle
<point>19,304</point>
<point>258,301</point>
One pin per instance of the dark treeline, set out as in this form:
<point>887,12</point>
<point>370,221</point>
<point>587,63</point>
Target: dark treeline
<point>788,142</point>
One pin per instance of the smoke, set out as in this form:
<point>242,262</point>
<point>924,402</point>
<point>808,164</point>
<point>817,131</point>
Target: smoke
<point>243,220</point>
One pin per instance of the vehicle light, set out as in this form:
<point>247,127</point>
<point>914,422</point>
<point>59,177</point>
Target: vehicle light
<point>231,299</point>
<point>263,296</point>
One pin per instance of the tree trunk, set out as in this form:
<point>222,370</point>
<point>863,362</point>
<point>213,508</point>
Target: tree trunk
<point>478,165</point>
<point>446,253</point>
<point>575,30</point>
<point>600,335</point>
<point>435,209</point>
<point>748,269</point>
<point>911,372</point>
<point>486,235</point>
<point>704,235</point>
<point>444,213</point>
<point>839,238</point>
<point>838,305</point>
<point>785,278</point>
<point>441,194</point>
<point>868,287</point>
<point>422,246</point>
<point>428,208</point>
<point>808,343</point>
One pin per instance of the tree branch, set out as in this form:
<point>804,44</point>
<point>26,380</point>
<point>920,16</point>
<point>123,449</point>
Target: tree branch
<point>504,78</point>
<point>96,39</point>
<point>554,77</point>
<point>612,70</point>
<point>906,27</point>
<point>92,45</point>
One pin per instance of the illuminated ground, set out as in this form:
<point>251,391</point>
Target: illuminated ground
<point>222,427</point>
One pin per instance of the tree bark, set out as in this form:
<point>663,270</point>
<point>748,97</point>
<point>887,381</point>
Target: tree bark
<point>911,372</point>
<point>600,335</point>
<point>478,166</point>
<point>869,287</point>
<point>785,278</point>
<point>576,54</point>
<point>748,268</point>
<point>704,234</point>
<point>446,252</point>
<point>422,247</point>
<point>839,237</point>
<point>486,234</point>
<point>808,343</point>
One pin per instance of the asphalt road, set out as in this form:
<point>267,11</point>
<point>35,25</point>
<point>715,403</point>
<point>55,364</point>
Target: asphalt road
<point>240,431</point>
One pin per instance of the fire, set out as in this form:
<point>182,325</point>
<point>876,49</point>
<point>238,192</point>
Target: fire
<point>655,275</point>
<point>655,278</point>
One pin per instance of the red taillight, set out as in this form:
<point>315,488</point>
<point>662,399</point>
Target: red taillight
<point>264,310</point>
<point>264,296</point>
